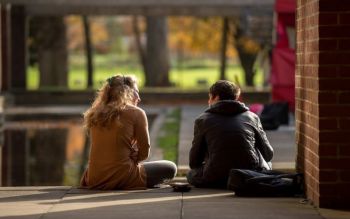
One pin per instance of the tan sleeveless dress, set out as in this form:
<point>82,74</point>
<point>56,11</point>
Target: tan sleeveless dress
<point>110,165</point>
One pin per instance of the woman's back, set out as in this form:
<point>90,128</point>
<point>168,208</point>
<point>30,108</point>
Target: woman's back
<point>110,162</point>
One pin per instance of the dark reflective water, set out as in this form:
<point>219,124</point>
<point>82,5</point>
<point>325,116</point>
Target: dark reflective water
<point>45,153</point>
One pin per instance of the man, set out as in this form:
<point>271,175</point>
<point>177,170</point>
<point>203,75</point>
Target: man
<point>227,135</point>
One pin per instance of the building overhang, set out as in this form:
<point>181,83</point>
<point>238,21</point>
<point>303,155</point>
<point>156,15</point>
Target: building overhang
<point>144,7</point>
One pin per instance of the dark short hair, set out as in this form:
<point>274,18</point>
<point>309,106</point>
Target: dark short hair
<point>226,90</point>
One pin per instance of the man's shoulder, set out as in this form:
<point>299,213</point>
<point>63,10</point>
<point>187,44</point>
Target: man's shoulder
<point>203,116</point>
<point>250,114</point>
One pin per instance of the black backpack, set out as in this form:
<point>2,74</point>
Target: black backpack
<point>274,115</point>
<point>267,183</point>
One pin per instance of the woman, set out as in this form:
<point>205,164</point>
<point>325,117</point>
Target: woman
<point>120,141</point>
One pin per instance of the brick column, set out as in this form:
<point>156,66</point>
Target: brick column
<point>323,100</point>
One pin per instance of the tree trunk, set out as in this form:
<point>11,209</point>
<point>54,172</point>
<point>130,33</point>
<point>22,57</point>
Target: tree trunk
<point>88,49</point>
<point>223,48</point>
<point>157,60</point>
<point>247,62</point>
<point>247,58</point>
<point>140,49</point>
<point>52,52</point>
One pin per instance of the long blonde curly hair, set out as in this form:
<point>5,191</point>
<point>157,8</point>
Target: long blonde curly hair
<point>110,100</point>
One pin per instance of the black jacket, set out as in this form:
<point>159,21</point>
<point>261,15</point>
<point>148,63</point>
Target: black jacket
<point>227,135</point>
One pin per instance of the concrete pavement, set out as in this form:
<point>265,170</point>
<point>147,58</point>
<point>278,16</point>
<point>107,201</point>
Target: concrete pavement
<point>68,202</point>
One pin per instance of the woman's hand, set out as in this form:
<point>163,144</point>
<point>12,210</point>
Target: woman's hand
<point>134,153</point>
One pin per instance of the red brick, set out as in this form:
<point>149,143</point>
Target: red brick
<point>328,164</point>
<point>308,107</point>
<point>344,123</point>
<point>312,20</point>
<point>328,123</point>
<point>344,163</point>
<point>312,71</point>
<point>334,136</point>
<point>311,8</point>
<point>343,189</point>
<point>327,97</point>
<point>344,150</point>
<point>334,5</point>
<point>326,58</point>
<point>344,98</point>
<point>344,175</point>
<point>344,71</point>
<point>327,176</point>
<point>328,189</point>
<point>333,111</point>
<point>334,31</point>
<point>328,18</point>
<point>310,165</point>
<point>300,35</point>
<point>311,134</point>
<point>312,33</point>
<point>332,202</point>
<point>328,44</point>
<point>328,151</point>
<point>327,71</point>
<point>311,57</point>
<point>344,44</point>
<point>344,18</point>
<point>311,121</point>
<point>335,84</point>
<point>311,46</point>
<point>309,95</point>
<point>309,83</point>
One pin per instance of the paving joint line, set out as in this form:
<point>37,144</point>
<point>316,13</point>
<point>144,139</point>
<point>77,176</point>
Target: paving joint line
<point>53,205</point>
<point>182,206</point>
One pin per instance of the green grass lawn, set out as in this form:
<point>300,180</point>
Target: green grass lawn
<point>186,78</point>
<point>168,139</point>
<point>193,74</point>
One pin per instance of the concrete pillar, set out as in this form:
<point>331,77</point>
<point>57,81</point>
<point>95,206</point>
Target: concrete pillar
<point>4,48</point>
<point>323,100</point>
<point>17,47</point>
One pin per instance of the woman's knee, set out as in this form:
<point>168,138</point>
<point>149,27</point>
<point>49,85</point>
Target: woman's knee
<point>167,168</point>
<point>163,168</point>
<point>171,169</point>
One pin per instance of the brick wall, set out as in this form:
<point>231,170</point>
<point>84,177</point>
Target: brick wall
<point>323,100</point>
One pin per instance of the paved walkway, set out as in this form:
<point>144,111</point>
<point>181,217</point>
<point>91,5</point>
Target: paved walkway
<point>67,202</point>
<point>188,114</point>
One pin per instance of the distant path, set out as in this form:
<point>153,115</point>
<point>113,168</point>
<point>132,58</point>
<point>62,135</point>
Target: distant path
<point>188,114</point>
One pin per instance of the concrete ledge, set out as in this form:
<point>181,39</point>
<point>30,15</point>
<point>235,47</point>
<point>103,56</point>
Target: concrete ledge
<point>284,166</point>
<point>148,96</point>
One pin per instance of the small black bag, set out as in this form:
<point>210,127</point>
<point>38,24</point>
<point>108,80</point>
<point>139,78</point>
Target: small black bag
<point>274,115</point>
<point>266,183</point>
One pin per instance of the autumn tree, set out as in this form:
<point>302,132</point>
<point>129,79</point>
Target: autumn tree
<point>248,51</point>
<point>76,31</point>
<point>251,32</point>
<point>139,46</point>
<point>198,36</point>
